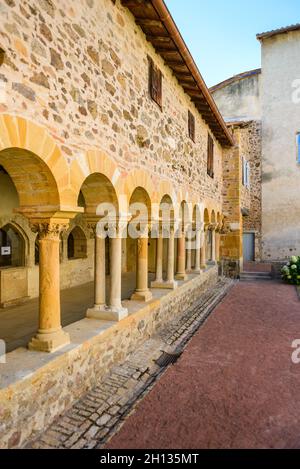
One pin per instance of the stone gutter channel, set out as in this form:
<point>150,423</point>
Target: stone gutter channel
<point>98,415</point>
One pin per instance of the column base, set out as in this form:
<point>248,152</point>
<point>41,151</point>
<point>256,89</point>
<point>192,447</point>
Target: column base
<point>107,313</point>
<point>197,271</point>
<point>143,296</point>
<point>181,276</point>
<point>96,312</point>
<point>49,341</point>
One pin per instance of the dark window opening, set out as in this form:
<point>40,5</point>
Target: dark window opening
<point>77,244</point>
<point>12,247</point>
<point>191,126</point>
<point>210,156</point>
<point>155,83</point>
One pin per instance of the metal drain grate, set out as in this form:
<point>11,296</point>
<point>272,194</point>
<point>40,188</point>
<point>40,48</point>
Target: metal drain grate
<point>167,359</point>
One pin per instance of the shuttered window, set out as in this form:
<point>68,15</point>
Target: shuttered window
<point>155,83</point>
<point>191,126</point>
<point>210,156</point>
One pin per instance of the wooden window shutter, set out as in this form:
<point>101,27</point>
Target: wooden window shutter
<point>155,83</point>
<point>191,126</point>
<point>210,156</point>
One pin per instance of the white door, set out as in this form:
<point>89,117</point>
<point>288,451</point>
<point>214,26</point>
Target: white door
<point>248,247</point>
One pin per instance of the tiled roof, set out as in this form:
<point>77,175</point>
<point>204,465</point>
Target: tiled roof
<point>274,32</point>
<point>235,78</point>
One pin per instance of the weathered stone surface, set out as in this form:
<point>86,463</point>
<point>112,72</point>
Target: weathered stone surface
<point>94,55</point>
<point>40,79</point>
<point>24,91</point>
<point>56,59</point>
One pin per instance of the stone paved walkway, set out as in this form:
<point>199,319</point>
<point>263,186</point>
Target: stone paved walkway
<point>99,414</point>
<point>235,385</point>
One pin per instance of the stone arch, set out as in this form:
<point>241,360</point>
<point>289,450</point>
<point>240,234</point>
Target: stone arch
<point>35,163</point>
<point>197,219</point>
<point>97,189</point>
<point>139,206</point>
<point>87,165</point>
<point>213,218</point>
<point>34,182</point>
<point>206,217</point>
<point>141,179</point>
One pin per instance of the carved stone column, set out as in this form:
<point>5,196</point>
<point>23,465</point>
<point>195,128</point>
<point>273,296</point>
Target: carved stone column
<point>99,275</point>
<point>203,249</point>
<point>188,252</point>
<point>50,335</point>
<point>197,268</point>
<point>142,292</point>
<point>115,311</point>
<point>170,282</point>
<point>181,274</point>
<point>217,245</point>
<point>213,244</point>
<point>159,262</point>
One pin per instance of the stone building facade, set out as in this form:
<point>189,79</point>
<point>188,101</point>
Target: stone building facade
<point>280,143</point>
<point>264,105</point>
<point>82,139</point>
<point>239,100</point>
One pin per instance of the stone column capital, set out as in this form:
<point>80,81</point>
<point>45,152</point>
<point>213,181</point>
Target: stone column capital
<point>49,228</point>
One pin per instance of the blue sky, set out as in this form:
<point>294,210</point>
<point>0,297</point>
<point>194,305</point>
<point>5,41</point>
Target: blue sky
<point>221,34</point>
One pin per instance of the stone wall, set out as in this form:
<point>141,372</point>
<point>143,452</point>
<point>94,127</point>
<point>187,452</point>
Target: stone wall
<point>50,383</point>
<point>231,245</point>
<point>280,170</point>
<point>80,69</point>
<point>250,146</point>
<point>239,97</point>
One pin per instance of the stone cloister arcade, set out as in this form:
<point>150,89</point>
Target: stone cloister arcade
<point>49,213</point>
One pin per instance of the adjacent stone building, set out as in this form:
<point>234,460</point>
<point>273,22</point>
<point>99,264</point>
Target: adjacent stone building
<point>262,106</point>
<point>239,100</point>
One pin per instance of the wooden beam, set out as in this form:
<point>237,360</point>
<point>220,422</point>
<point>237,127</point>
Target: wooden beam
<point>163,39</point>
<point>149,23</point>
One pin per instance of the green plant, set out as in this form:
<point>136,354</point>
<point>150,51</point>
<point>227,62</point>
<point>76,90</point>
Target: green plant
<point>291,271</point>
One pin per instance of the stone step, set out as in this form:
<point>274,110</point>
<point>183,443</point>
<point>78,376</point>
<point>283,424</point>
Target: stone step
<point>254,276</point>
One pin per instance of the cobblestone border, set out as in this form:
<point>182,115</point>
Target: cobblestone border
<point>96,417</point>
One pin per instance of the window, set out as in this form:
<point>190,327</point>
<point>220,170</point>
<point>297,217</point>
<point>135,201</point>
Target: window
<point>12,247</point>
<point>191,126</point>
<point>245,173</point>
<point>155,83</point>
<point>210,156</point>
<point>77,244</point>
<point>298,147</point>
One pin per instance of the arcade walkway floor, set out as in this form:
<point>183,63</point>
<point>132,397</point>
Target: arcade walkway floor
<point>19,323</point>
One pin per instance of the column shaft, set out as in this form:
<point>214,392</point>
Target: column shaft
<point>99,271</point>
<point>158,282</point>
<point>197,251</point>
<point>50,335</point>
<point>213,247</point>
<point>203,251</point>
<point>171,283</point>
<point>181,275</point>
<point>142,292</point>
<point>99,281</point>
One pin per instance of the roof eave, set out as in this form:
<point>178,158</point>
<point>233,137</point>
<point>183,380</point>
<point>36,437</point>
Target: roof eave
<point>191,80</point>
